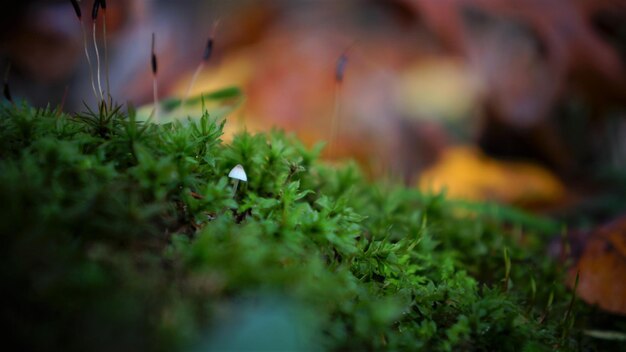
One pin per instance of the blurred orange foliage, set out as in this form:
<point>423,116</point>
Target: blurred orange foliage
<point>528,51</point>
<point>465,173</point>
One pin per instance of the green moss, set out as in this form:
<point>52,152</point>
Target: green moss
<point>126,235</point>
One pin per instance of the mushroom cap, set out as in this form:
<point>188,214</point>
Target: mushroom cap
<point>238,173</point>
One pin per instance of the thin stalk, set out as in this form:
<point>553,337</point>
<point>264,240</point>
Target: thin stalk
<point>93,82</point>
<point>208,51</point>
<point>191,84</point>
<point>155,94</point>
<point>155,98</point>
<point>507,270</point>
<point>340,71</point>
<point>106,55</point>
<point>79,16</point>
<point>95,45</point>
<point>334,124</point>
<point>6,90</point>
<point>60,107</point>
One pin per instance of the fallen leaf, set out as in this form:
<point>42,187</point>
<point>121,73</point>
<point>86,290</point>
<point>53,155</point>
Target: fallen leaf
<point>466,173</point>
<point>602,268</point>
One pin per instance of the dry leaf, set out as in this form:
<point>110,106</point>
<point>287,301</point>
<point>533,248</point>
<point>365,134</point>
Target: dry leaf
<point>602,268</point>
<point>467,173</point>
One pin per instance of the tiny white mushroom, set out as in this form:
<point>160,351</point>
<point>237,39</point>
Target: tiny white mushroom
<point>238,174</point>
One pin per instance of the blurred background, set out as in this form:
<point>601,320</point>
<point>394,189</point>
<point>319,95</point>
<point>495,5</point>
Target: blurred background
<point>517,101</point>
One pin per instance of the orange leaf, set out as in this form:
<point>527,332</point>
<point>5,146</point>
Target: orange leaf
<point>603,268</point>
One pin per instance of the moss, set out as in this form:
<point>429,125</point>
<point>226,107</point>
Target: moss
<point>121,235</point>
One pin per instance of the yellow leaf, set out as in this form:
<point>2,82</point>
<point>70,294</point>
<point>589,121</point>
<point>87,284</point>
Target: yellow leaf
<point>465,173</point>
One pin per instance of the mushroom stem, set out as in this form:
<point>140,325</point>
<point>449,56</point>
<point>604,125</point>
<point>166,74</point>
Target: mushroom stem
<point>235,187</point>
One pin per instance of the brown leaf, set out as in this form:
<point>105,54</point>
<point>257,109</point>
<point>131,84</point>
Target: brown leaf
<point>603,268</point>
